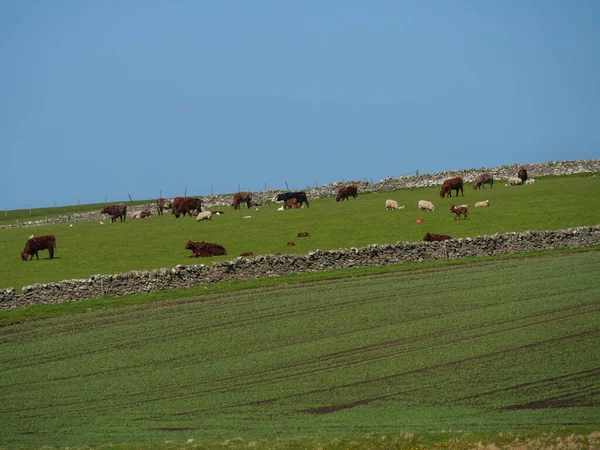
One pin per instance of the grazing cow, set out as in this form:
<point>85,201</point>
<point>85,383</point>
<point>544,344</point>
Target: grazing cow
<point>425,205</point>
<point>303,234</point>
<point>162,204</point>
<point>35,244</point>
<point>242,197</point>
<point>458,210</point>
<point>115,211</point>
<point>300,197</point>
<point>183,205</point>
<point>290,244</point>
<point>522,175</point>
<point>484,178</point>
<point>205,249</point>
<point>246,254</point>
<point>346,193</point>
<point>451,184</point>
<point>290,203</point>
<point>431,237</point>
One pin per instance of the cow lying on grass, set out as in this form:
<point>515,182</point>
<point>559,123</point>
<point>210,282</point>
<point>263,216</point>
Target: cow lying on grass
<point>432,237</point>
<point>205,249</point>
<point>35,244</point>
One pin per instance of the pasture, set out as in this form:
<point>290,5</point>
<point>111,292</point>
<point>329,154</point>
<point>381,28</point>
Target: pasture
<point>489,350</point>
<point>90,248</point>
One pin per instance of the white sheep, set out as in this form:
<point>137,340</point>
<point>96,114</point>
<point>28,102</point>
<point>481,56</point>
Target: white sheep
<point>514,181</point>
<point>483,204</point>
<point>425,205</point>
<point>204,215</point>
<point>530,181</point>
<point>391,204</point>
<point>136,215</point>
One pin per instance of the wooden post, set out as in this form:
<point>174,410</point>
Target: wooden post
<point>130,198</point>
<point>211,191</point>
<point>239,190</point>
<point>30,209</point>
<point>286,186</point>
<point>54,206</point>
<point>417,173</point>
<point>264,194</point>
<point>185,192</point>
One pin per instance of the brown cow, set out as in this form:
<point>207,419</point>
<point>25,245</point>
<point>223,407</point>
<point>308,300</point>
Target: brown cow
<point>35,244</point>
<point>162,204</point>
<point>432,237</point>
<point>346,193</point>
<point>290,244</point>
<point>205,249</point>
<point>484,178</point>
<point>242,197</point>
<point>185,205</point>
<point>522,175</point>
<point>246,254</point>
<point>115,211</point>
<point>291,203</point>
<point>303,234</point>
<point>458,210</point>
<point>451,184</point>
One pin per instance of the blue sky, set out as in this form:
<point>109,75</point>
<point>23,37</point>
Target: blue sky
<point>101,99</point>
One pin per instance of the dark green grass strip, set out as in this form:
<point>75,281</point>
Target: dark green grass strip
<point>503,345</point>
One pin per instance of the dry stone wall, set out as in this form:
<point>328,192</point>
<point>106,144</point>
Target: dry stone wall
<point>385,185</point>
<point>276,265</point>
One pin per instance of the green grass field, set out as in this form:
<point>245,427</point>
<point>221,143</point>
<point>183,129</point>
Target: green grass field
<point>457,353</point>
<point>89,248</point>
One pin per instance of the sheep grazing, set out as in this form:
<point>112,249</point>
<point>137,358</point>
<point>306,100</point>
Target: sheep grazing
<point>391,204</point>
<point>483,204</point>
<point>432,237</point>
<point>530,181</point>
<point>425,205</point>
<point>459,211</point>
<point>514,181</point>
<point>204,215</point>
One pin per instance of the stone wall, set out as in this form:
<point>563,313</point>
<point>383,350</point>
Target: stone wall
<point>277,265</point>
<point>385,185</point>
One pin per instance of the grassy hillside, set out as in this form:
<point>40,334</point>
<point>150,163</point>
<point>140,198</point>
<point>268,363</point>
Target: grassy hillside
<point>90,248</point>
<point>496,346</point>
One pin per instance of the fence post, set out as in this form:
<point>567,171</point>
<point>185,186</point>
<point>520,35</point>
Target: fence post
<point>30,209</point>
<point>185,192</point>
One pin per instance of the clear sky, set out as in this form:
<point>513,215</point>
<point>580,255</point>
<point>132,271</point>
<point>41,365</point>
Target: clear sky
<point>101,99</point>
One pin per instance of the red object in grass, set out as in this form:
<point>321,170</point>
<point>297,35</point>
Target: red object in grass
<point>419,220</point>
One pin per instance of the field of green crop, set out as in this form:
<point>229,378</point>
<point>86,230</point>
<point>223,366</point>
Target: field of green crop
<point>90,248</point>
<point>493,346</point>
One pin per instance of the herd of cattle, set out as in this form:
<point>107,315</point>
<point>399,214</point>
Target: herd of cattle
<point>291,200</point>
